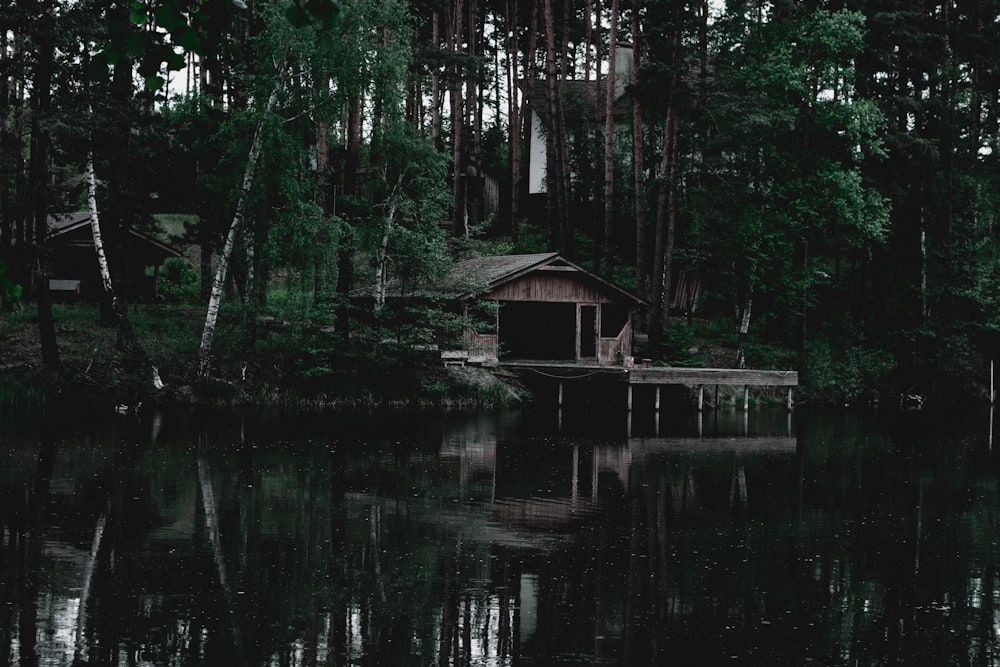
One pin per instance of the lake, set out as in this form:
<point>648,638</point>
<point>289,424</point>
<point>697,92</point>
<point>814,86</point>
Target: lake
<point>524,537</point>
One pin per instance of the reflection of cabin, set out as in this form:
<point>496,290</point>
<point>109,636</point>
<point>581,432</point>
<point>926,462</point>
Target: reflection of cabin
<point>74,262</point>
<point>547,309</point>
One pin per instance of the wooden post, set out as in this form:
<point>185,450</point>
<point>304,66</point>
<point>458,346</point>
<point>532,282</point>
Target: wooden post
<point>993,394</point>
<point>560,393</point>
<point>701,398</point>
<point>576,472</point>
<point>716,397</point>
<point>746,397</point>
<point>628,398</point>
<point>789,403</point>
<point>657,402</point>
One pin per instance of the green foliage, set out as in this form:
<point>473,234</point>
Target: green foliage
<point>10,292</point>
<point>532,239</point>
<point>785,162</point>
<point>852,374</point>
<point>179,282</point>
<point>678,347</point>
<point>157,34</point>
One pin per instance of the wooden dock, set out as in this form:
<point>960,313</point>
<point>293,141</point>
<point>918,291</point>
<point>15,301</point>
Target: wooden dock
<point>700,377</point>
<point>665,375</point>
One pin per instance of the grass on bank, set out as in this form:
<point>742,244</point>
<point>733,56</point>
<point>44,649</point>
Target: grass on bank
<point>294,362</point>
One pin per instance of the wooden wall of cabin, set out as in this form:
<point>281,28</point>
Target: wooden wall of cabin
<point>550,286</point>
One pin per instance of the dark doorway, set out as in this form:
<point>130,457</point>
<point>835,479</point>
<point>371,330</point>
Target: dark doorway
<point>536,330</point>
<point>588,332</point>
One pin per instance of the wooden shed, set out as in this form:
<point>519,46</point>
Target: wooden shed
<point>74,260</point>
<point>547,309</point>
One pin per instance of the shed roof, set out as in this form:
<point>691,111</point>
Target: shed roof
<point>63,226</point>
<point>480,275</point>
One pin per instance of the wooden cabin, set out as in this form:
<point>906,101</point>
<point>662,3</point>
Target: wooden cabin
<point>74,262</point>
<point>548,309</point>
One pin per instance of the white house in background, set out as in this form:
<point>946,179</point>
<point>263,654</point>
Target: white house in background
<point>579,97</point>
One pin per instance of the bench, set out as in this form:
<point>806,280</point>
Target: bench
<point>67,287</point>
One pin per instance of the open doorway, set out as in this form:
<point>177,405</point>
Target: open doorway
<point>588,332</point>
<point>538,331</point>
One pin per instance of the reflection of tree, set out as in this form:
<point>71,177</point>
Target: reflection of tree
<point>30,549</point>
<point>393,552</point>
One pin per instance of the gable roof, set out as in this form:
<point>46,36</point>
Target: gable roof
<point>480,275</point>
<point>63,226</point>
<point>580,97</point>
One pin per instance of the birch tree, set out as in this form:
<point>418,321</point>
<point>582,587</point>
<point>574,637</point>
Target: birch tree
<point>126,334</point>
<point>235,228</point>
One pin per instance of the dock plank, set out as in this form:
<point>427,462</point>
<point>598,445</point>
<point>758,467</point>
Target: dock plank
<point>646,446</point>
<point>722,376</point>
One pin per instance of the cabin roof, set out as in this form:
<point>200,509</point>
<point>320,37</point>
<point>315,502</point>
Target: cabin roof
<point>67,226</point>
<point>580,97</point>
<point>479,276</point>
<point>475,277</point>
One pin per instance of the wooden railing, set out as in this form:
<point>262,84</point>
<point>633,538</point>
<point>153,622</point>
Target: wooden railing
<point>483,346</point>
<point>613,350</point>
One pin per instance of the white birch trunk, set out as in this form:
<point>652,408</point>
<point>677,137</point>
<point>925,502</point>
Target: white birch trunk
<point>215,541</point>
<point>212,316</point>
<point>102,257</point>
<point>382,260</point>
<point>95,230</point>
<point>80,653</point>
<point>212,523</point>
<point>743,327</point>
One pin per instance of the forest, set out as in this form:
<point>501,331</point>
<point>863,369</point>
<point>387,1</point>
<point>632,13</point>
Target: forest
<point>810,184</point>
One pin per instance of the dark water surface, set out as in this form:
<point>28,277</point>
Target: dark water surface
<point>502,538</point>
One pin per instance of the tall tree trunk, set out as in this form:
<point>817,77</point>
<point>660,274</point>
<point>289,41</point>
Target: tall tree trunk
<point>120,180</point>
<point>531,76</point>
<point>474,123</point>
<point>345,241</point>
<point>212,315</point>
<point>325,202</point>
<point>565,179</point>
<point>597,209</point>
<point>459,217</point>
<point>38,179</point>
<point>666,205</point>
<point>382,256</point>
<point>514,118</point>
<point>436,83</point>
<point>660,306</point>
<point>671,231</point>
<point>609,144</point>
<point>742,326</point>
<point>552,167</point>
<point>638,161</point>
<point>804,310</point>
<point>210,87</point>
<point>8,148</point>
<point>126,334</point>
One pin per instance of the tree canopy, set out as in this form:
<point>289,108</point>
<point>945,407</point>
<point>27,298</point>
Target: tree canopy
<point>823,172</point>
